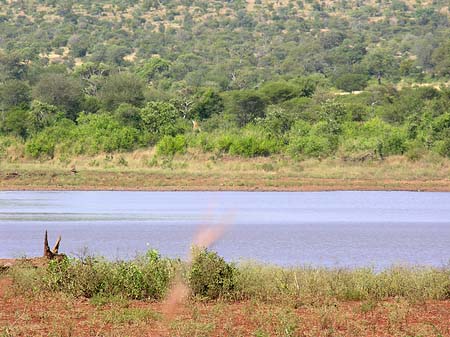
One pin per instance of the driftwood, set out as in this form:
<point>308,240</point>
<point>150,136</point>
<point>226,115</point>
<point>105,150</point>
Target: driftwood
<point>49,254</point>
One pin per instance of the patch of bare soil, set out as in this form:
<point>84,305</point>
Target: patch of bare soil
<point>28,314</point>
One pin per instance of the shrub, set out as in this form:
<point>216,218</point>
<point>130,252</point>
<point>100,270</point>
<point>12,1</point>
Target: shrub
<point>43,144</point>
<point>310,146</point>
<point>252,145</point>
<point>224,142</point>
<point>211,276</point>
<point>169,145</point>
<point>203,140</point>
<point>310,141</point>
<point>375,136</point>
<point>145,277</point>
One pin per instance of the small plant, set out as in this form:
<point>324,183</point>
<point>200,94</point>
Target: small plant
<point>211,276</point>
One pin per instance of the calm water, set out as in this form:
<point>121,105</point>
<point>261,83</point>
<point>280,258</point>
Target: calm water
<point>318,228</point>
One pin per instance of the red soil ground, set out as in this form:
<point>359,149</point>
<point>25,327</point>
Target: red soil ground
<point>28,314</point>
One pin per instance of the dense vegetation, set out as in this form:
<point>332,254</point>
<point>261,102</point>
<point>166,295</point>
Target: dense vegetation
<point>257,77</point>
<point>210,277</point>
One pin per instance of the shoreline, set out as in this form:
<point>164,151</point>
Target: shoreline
<point>229,174</point>
<point>318,185</point>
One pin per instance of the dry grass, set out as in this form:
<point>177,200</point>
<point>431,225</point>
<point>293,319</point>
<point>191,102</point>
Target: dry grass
<point>142,170</point>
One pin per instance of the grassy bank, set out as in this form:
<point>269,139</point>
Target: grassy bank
<point>143,170</point>
<point>92,296</point>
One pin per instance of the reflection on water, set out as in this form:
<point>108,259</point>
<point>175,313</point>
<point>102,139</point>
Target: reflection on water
<point>317,228</point>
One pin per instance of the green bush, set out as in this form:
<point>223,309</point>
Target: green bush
<point>169,145</point>
<point>203,141</point>
<point>210,275</point>
<point>93,134</point>
<point>310,140</point>
<point>224,142</point>
<point>160,118</point>
<point>310,146</point>
<point>375,136</point>
<point>43,144</point>
<point>253,145</point>
<point>146,277</point>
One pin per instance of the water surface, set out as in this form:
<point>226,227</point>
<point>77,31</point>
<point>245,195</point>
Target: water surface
<point>316,228</point>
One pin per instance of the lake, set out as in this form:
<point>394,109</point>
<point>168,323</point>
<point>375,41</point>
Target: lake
<point>294,228</point>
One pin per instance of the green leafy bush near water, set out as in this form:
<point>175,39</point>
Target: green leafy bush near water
<point>146,277</point>
<point>210,276</point>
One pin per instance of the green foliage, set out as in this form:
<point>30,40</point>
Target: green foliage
<point>102,133</point>
<point>374,136</point>
<point>381,61</point>
<point>61,91</point>
<point>43,144</point>
<point>160,118</point>
<point>277,92</point>
<point>14,93</point>
<point>311,140</point>
<point>277,121</point>
<point>42,115</point>
<point>310,146</point>
<point>147,277</point>
<point>14,122</point>
<point>351,82</point>
<point>171,145</point>
<point>245,106</point>
<point>267,67</point>
<point>93,134</point>
<point>441,59</point>
<point>210,276</point>
<point>122,88</point>
<point>153,67</point>
<point>206,104</point>
<point>129,115</point>
<point>253,144</point>
<point>307,284</point>
<point>5,143</point>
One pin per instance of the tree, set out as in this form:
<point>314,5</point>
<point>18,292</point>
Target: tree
<point>41,115</point>
<point>153,67</point>
<point>277,92</point>
<point>245,106</point>
<point>122,88</point>
<point>160,118</point>
<point>129,115</point>
<point>441,59</point>
<point>14,93</point>
<point>61,91</point>
<point>13,65</point>
<point>92,74</point>
<point>207,103</point>
<point>351,82</point>
<point>381,61</point>
<point>15,122</point>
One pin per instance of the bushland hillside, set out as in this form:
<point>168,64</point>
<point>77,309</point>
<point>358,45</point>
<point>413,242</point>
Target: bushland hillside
<point>354,80</point>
